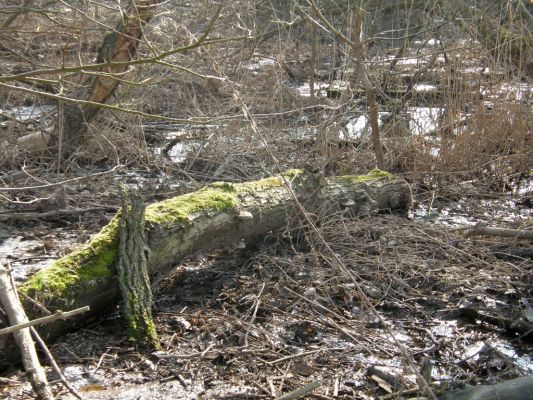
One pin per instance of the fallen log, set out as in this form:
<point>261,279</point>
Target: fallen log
<point>481,230</point>
<point>217,215</point>
<point>514,389</point>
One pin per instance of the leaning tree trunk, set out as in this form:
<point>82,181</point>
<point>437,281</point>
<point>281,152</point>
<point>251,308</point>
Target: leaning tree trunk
<point>218,215</point>
<point>118,46</point>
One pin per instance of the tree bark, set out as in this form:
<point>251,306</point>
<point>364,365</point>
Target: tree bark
<point>133,272</point>
<point>220,214</point>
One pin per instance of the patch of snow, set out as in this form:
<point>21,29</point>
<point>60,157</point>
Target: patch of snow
<point>424,119</point>
<point>425,87</point>
<point>356,127</point>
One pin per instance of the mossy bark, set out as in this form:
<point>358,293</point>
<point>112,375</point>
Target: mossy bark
<point>133,272</point>
<point>217,215</point>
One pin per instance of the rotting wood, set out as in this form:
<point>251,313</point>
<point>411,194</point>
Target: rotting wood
<point>218,215</point>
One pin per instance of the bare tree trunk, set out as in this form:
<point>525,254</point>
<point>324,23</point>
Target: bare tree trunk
<point>312,76</point>
<point>133,272</point>
<point>357,47</point>
<point>370,90</point>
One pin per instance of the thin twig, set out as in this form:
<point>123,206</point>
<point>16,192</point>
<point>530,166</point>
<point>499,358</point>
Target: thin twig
<point>257,302</point>
<point>54,365</point>
<point>48,185</point>
<point>44,320</point>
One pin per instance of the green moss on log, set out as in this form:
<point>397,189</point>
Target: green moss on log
<point>97,259</point>
<point>372,175</point>
<point>178,209</point>
<point>93,261</point>
<point>262,184</point>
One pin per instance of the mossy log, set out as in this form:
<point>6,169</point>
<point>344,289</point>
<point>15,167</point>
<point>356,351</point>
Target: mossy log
<point>217,215</point>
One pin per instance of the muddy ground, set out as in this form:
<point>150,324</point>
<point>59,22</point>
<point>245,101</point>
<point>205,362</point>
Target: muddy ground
<point>277,315</point>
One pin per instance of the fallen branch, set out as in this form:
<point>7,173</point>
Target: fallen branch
<point>500,232</point>
<point>519,326</point>
<point>302,392</point>
<point>16,315</point>
<point>44,320</point>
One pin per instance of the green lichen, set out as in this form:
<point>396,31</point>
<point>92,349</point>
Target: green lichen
<point>93,261</point>
<point>372,175</point>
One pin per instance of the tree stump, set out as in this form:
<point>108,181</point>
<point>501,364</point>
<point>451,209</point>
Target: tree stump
<point>133,272</point>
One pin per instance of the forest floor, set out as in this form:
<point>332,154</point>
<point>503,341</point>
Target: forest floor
<point>262,321</point>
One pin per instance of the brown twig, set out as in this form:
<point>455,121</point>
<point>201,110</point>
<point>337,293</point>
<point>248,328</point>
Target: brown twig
<point>54,365</point>
<point>48,185</point>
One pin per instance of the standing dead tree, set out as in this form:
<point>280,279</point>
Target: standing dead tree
<point>77,108</point>
<point>118,47</point>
